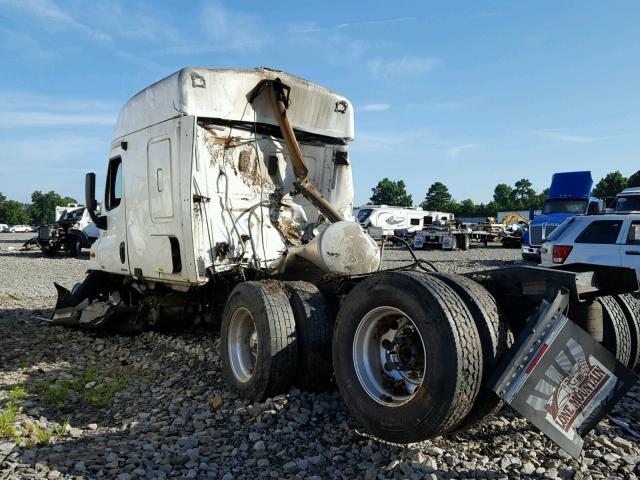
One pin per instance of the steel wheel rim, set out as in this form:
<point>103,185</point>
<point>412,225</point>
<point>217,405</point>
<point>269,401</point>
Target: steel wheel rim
<point>242,343</point>
<point>389,356</point>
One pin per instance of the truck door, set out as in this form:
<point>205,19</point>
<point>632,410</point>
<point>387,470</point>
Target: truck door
<point>630,251</point>
<point>111,252</point>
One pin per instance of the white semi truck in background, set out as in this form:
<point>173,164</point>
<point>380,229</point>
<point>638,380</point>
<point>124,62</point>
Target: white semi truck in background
<point>72,231</point>
<point>228,192</point>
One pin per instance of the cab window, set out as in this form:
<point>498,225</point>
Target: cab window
<point>113,191</point>
<point>601,232</point>
<point>633,238</point>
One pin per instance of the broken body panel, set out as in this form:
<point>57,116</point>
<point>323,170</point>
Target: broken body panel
<point>207,183</point>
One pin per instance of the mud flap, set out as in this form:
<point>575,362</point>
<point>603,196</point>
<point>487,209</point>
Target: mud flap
<point>559,378</point>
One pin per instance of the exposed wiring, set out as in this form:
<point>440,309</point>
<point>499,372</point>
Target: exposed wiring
<point>205,218</point>
<point>225,208</point>
<point>417,263</point>
<point>255,143</point>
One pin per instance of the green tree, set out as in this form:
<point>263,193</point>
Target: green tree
<point>43,206</point>
<point>390,192</point>
<point>539,199</point>
<point>13,212</point>
<point>609,186</point>
<point>466,208</point>
<point>634,180</point>
<point>437,198</point>
<point>523,195</point>
<point>502,196</point>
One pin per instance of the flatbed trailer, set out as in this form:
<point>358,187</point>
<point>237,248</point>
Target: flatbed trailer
<point>451,238</point>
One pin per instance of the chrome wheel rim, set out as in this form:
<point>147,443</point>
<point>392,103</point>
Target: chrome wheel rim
<point>389,356</point>
<point>242,343</point>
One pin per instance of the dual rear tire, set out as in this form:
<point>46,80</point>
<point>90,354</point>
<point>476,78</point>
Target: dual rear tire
<point>275,335</point>
<point>410,352</point>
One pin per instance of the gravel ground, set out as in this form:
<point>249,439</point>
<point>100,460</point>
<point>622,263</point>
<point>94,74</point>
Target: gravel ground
<point>84,405</point>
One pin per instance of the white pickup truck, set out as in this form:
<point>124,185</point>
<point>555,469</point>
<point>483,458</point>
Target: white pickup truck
<point>612,239</point>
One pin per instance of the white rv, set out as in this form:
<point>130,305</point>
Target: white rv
<point>385,220</point>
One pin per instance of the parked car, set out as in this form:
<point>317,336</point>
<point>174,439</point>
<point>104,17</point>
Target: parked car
<point>4,227</point>
<point>612,239</point>
<point>20,229</point>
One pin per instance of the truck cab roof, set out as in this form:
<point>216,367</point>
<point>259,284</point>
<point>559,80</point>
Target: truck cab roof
<point>223,94</point>
<point>629,191</point>
<point>570,185</point>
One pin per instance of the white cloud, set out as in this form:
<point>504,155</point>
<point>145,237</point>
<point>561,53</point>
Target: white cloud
<point>9,119</point>
<point>237,31</point>
<point>135,22</point>
<point>29,109</point>
<point>407,66</point>
<point>386,140</point>
<point>68,150</point>
<point>51,15</point>
<point>31,51</point>
<point>563,136</point>
<point>375,107</point>
<point>313,27</point>
<point>456,150</point>
<point>334,47</point>
<point>22,100</point>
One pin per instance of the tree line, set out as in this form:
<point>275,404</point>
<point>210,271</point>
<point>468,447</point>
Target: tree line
<point>41,210</point>
<point>519,196</point>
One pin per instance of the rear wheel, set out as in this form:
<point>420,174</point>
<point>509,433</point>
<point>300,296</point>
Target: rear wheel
<point>258,340</point>
<point>407,356</point>
<point>494,339</point>
<point>314,324</point>
<point>631,308</point>
<point>75,246</point>
<point>464,242</point>
<point>616,335</point>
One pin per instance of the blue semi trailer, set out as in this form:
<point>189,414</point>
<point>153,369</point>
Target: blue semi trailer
<point>569,195</point>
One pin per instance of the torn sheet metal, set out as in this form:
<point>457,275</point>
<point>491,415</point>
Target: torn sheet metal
<point>72,312</point>
<point>560,378</point>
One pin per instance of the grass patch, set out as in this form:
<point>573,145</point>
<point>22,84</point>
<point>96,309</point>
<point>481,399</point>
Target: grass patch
<point>103,385</point>
<point>60,430</point>
<point>43,437</point>
<point>53,393</point>
<point>17,393</point>
<point>7,417</point>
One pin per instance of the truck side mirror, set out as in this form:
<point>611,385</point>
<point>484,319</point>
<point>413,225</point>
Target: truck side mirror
<point>532,213</point>
<point>90,200</point>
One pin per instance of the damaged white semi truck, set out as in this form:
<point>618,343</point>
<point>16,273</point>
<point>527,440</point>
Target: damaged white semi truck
<point>229,192</point>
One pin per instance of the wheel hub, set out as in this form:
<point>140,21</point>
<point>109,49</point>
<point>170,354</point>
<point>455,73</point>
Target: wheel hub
<point>242,343</point>
<point>389,356</point>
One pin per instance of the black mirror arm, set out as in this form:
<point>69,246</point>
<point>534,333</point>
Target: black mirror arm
<point>90,200</point>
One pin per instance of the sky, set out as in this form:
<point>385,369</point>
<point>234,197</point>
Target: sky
<point>468,93</point>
